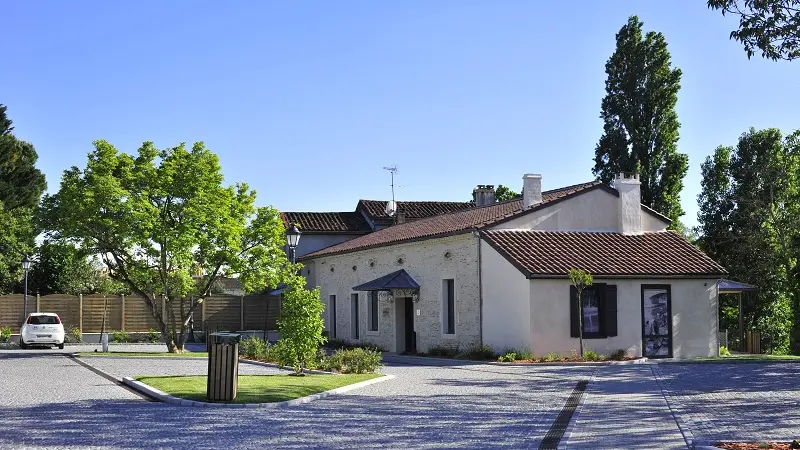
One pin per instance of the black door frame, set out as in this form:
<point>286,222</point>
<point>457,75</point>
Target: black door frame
<point>667,288</point>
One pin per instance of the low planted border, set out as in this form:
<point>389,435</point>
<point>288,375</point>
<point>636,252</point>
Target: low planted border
<point>166,398</point>
<point>642,360</point>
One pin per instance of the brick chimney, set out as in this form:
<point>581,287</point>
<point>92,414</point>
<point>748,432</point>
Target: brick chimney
<point>630,203</point>
<point>484,195</point>
<point>531,190</point>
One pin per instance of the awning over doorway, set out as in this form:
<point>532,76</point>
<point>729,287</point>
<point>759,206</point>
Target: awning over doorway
<point>395,280</point>
<point>734,287</point>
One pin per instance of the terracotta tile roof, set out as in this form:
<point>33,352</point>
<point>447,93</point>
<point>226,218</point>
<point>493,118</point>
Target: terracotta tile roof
<point>546,254</point>
<point>446,224</point>
<point>414,210</point>
<point>327,222</point>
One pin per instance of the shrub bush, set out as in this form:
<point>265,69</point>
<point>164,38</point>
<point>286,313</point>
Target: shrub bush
<point>507,357</point>
<point>74,335</point>
<point>121,336</point>
<point>5,334</point>
<point>478,352</point>
<point>252,347</point>
<point>590,355</point>
<point>445,352</point>
<point>723,351</point>
<point>617,355</point>
<point>153,336</point>
<point>551,357</point>
<point>354,360</point>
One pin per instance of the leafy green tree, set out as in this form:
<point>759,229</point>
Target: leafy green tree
<point>503,193</point>
<point>300,325</point>
<point>21,186</point>
<point>640,130</point>
<point>160,218</point>
<point>580,279</point>
<point>65,269</point>
<point>16,240</point>
<point>749,210</point>
<point>771,26</point>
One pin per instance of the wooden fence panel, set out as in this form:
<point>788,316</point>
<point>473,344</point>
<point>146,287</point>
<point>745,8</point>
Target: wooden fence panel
<point>137,315</point>
<point>93,306</point>
<point>223,312</point>
<point>66,306</point>
<point>255,312</point>
<point>11,311</point>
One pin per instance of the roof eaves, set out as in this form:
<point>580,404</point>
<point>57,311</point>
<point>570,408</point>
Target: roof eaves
<point>504,254</point>
<point>382,244</point>
<point>534,276</point>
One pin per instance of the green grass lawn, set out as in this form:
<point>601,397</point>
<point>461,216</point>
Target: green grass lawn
<point>161,354</point>
<point>747,358</point>
<point>257,388</point>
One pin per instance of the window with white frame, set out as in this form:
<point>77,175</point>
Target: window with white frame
<point>448,306</point>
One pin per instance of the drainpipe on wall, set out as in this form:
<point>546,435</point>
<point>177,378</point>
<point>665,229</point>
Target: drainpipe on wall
<point>477,234</point>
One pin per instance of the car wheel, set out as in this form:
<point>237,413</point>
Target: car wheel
<point>22,343</point>
<point>61,346</point>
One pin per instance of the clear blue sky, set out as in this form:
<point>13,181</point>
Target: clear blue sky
<point>307,101</point>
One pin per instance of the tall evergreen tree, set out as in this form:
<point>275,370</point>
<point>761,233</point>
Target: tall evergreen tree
<point>640,131</point>
<point>21,186</point>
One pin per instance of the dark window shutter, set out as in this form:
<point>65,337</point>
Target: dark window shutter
<point>574,325</point>
<point>610,311</point>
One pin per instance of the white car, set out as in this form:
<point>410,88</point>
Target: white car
<point>42,329</point>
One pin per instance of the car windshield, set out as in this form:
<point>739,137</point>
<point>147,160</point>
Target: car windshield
<point>43,320</point>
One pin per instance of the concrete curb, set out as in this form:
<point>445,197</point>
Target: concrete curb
<point>121,355</point>
<point>278,366</point>
<point>166,398</point>
<point>562,444</point>
<point>643,360</point>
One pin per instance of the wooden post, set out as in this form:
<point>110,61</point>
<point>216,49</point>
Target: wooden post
<point>38,303</point>
<point>741,325</point>
<point>80,312</point>
<point>241,313</point>
<point>122,322</point>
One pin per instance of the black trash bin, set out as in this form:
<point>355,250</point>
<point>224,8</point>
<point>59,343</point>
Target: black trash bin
<point>223,366</point>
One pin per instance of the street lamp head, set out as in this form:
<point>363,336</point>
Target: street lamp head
<point>292,236</point>
<point>26,263</point>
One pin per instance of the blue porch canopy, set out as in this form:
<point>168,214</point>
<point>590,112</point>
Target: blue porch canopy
<point>395,280</point>
<point>734,287</point>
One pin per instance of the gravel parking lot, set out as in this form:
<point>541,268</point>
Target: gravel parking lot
<point>457,405</point>
<point>751,401</point>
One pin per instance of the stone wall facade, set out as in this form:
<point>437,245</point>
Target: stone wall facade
<point>429,262</point>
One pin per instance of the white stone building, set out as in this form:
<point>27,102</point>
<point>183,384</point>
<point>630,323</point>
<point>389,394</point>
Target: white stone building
<point>497,275</point>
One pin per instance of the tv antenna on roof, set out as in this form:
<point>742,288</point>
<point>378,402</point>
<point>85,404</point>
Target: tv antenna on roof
<point>391,207</point>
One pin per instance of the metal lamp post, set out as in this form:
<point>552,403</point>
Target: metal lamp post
<point>26,265</point>
<point>292,239</point>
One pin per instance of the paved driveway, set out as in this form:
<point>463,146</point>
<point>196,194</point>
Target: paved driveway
<point>48,401</point>
<point>456,405</point>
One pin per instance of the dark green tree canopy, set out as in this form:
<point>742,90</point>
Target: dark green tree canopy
<point>769,26</point>
<point>640,130</point>
<point>503,193</point>
<point>749,211</point>
<point>21,183</point>
<point>62,268</point>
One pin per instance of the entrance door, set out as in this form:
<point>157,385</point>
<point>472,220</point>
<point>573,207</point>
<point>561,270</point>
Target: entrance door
<point>411,336</point>
<point>656,321</point>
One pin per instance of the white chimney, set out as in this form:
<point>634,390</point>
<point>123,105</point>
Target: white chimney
<point>630,203</point>
<point>484,195</point>
<point>531,190</point>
